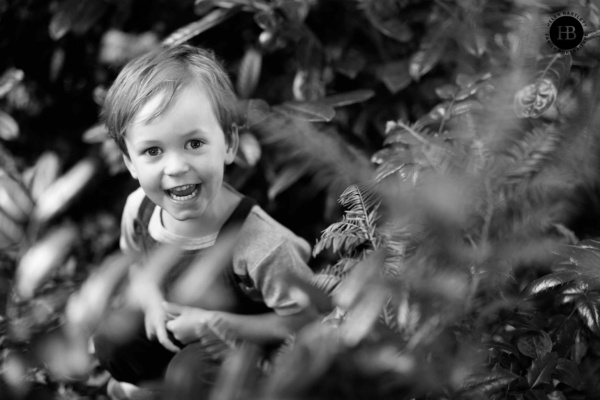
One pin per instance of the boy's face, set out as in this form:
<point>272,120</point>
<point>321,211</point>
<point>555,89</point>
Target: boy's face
<point>180,156</point>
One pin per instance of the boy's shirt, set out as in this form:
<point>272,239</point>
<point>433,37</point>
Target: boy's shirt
<point>266,253</point>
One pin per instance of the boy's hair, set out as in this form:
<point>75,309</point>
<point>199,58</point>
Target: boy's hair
<point>165,71</point>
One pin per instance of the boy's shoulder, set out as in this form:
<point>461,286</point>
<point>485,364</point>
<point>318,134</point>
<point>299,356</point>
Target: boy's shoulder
<point>261,231</point>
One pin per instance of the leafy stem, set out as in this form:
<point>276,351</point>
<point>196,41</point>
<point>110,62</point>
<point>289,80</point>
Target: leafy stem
<point>413,132</point>
<point>593,35</point>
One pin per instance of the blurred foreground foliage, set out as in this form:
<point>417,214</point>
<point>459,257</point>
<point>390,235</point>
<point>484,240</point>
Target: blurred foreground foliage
<point>463,151</point>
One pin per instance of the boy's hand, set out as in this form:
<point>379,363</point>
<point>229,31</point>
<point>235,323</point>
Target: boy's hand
<point>186,323</point>
<point>155,322</point>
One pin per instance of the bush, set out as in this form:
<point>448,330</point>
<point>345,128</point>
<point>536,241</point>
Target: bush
<point>462,149</point>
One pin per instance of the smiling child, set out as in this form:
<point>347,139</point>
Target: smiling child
<point>172,114</point>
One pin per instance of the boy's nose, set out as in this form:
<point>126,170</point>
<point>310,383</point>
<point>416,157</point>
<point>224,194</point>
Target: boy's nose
<point>176,165</point>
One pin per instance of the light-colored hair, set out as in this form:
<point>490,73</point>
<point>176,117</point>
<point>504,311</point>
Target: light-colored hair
<point>166,71</point>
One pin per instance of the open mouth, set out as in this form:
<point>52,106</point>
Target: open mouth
<point>184,192</point>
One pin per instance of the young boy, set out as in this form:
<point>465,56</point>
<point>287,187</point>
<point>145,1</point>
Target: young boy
<point>172,114</point>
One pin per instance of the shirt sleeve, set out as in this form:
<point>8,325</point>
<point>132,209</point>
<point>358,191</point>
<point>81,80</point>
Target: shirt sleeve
<point>271,276</point>
<point>127,241</point>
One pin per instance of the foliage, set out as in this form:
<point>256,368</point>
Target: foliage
<point>460,147</point>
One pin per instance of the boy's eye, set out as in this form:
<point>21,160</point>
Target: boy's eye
<point>194,144</point>
<point>153,151</point>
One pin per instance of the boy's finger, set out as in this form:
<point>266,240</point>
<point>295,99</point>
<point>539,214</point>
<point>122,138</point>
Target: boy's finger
<point>164,340</point>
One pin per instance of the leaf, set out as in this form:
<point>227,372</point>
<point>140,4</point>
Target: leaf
<point>351,63</point>
<point>309,111</point>
<point>77,16</point>
<point>96,134</point>
<point>9,129</point>
<point>249,149</point>
<point>541,370</point>
<point>498,378</point>
<point>447,91</point>
<point>345,99</point>
<point>249,73</point>
<point>11,232</point>
<point>502,347</point>
<point>286,178</point>
<point>267,20</point>
<point>202,7</point>
<point>44,258</point>
<point>9,79</point>
<point>588,310</point>
<point>256,111</point>
<point>531,152</point>
<point>63,191</point>
<point>429,54</point>
<point>87,307</point>
<point>535,344</point>
<point>395,75</point>
<point>549,281</point>
<point>398,162</point>
<point>384,15</point>
<point>295,10</point>
<point>187,32</point>
<point>534,99</point>
<point>567,372</point>
<point>585,255</point>
<point>15,201</point>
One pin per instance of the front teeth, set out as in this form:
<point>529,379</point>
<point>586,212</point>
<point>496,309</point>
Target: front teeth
<point>181,189</point>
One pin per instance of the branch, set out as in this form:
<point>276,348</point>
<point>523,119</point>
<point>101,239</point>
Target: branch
<point>592,35</point>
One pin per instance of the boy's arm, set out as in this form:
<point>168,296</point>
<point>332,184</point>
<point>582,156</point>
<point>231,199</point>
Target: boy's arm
<point>188,323</point>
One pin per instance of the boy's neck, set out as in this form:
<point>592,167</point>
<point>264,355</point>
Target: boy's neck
<point>211,220</point>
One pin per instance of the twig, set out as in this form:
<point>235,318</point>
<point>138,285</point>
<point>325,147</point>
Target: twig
<point>592,35</point>
<point>413,132</point>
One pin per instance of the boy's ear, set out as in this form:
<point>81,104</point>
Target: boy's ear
<point>130,166</point>
<point>232,146</point>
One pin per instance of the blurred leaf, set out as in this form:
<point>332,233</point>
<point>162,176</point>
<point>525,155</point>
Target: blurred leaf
<point>15,201</point>
<point>255,111</point>
<point>9,129</point>
<point>585,254</point>
<point>249,149</point>
<point>249,73</point>
<point>11,233</point>
<point>351,63</point>
<point>534,99</point>
<point>535,344</point>
<point>63,191</point>
<point>294,10</point>
<point>549,281</point>
<point>77,16</point>
<point>96,134</point>
<point>286,178</point>
<point>556,395</point>
<point>430,52</point>
<point>43,258</point>
<point>384,15</point>
<point>362,317</point>
<point>567,372</point>
<point>345,99</point>
<point>541,370</point>
<point>307,85</point>
<point>447,91</point>
<point>267,20</point>
<point>202,7</point>
<point>472,40</point>
<point>87,307</point>
<point>395,75</point>
<point>187,32</point>
<point>9,79</point>
<point>313,111</point>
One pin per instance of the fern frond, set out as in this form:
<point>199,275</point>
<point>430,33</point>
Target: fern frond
<point>358,225</point>
<point>530,153</point>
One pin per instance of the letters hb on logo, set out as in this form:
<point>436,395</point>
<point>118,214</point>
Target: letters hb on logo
<point>566,32</point>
